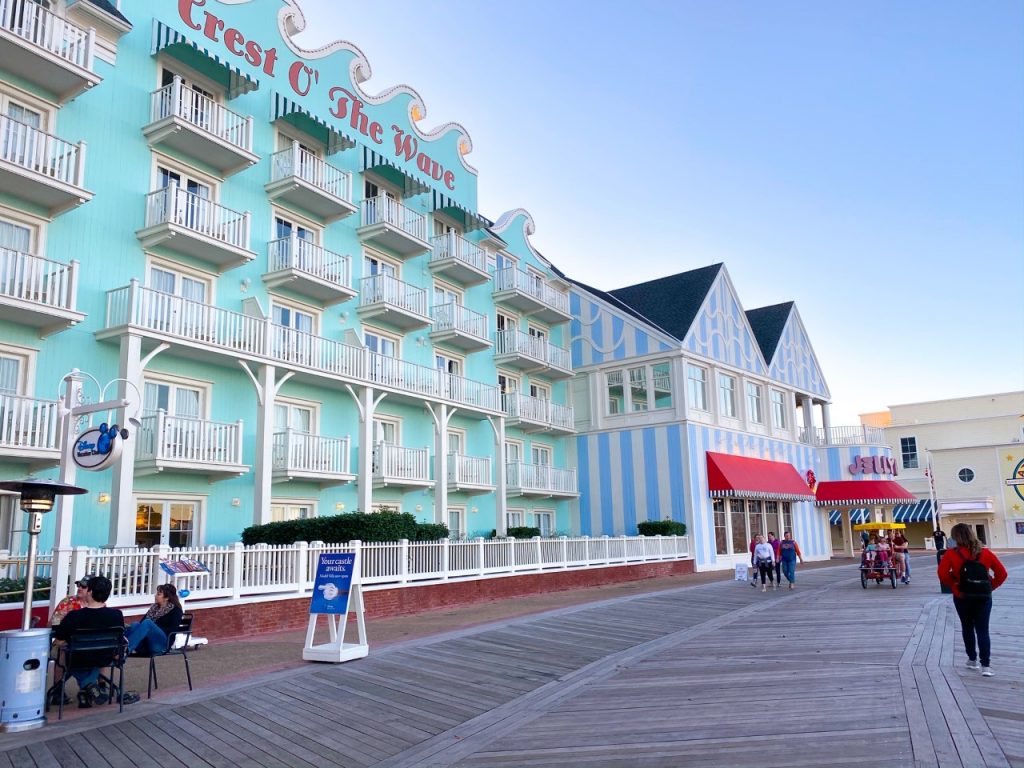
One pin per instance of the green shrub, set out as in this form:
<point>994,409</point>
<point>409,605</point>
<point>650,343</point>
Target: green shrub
<point>13,590</point>
<point>523,532</point>
<point>661,528</point>
<point>337,529</point>
<point>431,531</point>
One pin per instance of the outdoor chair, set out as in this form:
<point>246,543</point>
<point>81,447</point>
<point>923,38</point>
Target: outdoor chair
<point>88,649</point>
<point>177,645</point>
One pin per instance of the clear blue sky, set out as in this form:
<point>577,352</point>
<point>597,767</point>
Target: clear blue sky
<point>864,158</point>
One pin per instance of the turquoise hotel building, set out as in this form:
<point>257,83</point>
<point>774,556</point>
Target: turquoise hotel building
<point>286,274</point>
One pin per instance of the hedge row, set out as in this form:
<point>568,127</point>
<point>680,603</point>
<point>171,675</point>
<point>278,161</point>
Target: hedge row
<point>337,529</point>
<point>661,528</point>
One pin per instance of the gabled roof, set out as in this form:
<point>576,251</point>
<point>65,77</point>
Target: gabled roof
<point>768,323</point>
<point>110,8</point>
<point>671,302</point>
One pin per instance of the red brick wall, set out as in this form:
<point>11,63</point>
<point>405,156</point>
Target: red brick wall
<point>257,618</point>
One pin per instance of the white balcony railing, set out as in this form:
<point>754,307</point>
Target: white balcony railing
<point>456,317</point>
<point>454,246</point>
<point>35,24</point>
<point>29,423</point>
<point>393,462</point>
<point>858,435</point>
<point>516,342</point>
<point>302,452</point>
<point>41,153</point>
<point>174,205</point>
<point>469,470</point>
<point>561,416</point>
<point>237,334</point>
<point>304,256</point>
<point>377,289</point>
<point>38,280</point>
<point>198,109</point>
<point>512,278</point>
<point>182,439</point>
<point>537,410</point>
<point>540,478</point>
<point>386,210</point>
<point>296,161</point>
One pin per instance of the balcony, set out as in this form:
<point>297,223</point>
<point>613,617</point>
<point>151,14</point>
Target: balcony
<point>200,331</point>
<point>194,446</point>
<point>516,349</point>
<point>389,224</point>
<point>400,467</point>
<point>455,258</point>
<point>534,414</point>
<point>302,456</point>
<point>197,227</point>
<point>469,474</point>
<point>458,326</point>
<point>29,431</point>
<point>386,299</point>
<point>529,294</point>
<point>195,125</point>
<point>308,269</point>
<point>41,169</point>
<point>859,435</point>
<point>45,50</point>
<point>38,292</point>
<point>522,479</point>
<point>302,179</point>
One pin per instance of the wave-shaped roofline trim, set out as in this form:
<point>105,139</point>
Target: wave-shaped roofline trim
<point>504,221</point>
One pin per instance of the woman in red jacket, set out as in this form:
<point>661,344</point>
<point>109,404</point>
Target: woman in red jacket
<point>973,598</point>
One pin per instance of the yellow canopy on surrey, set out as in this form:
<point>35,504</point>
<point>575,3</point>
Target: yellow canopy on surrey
<point>878,526</point>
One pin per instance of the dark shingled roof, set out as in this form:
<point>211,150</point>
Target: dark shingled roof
<point>671,302</point>
<point>613,301</point>
<point>768,323</point>
<point>110,8</point>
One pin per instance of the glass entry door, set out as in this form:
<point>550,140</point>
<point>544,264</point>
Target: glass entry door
<point>170,523</point>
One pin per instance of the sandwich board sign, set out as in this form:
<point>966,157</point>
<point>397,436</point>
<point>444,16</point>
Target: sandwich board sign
<point>336,592</point>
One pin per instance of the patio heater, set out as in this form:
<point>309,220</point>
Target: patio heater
<point>24,652</point>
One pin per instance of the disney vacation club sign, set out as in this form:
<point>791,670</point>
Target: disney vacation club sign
<point>99,447</point>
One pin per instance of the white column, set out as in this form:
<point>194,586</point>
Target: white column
<point>808,416</point>
<point>826,422</point>
<point>264,463</point>
<point>500,497</point>
<point>122,497</point>
<point>364,479</point>
<point>441,418</point>
<point>848,538</point>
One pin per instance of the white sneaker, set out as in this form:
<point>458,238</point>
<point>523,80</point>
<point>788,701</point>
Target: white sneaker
<point>775,586</point>
<point>987,672</point>
<point>973,664</point>
<point>764,589</point>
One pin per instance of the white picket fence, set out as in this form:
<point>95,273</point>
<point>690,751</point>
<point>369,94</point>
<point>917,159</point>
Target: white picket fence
<point>241,574</point>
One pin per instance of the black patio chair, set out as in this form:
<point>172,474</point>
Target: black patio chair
<point>177,645</point>
<point>104,648</point>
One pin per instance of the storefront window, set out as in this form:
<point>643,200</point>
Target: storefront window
<point>721,527</point>
<point>787,517</point>
<point>755,512</point>
<point>771,518</point>
<point>738,523</point>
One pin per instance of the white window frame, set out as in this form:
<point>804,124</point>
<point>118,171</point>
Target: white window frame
<point>385,506</point>
<point>200,500</point>
<point>515,518</point>
<point>189,77</point>
<point>292,503</point>
<point>518,444</point>
<point>297,306</point>
<point>448,357</point>
<point>27,368</point>
<point>536,388</point>
<point>382,334</point>
<point>543,448</point>
<point>439,285</point>
<point>539,332</point>
<point>550,515</point>
<point>289,216</point>
<point>463,438</point>
<point>395,421</point>
<point>383,187</point>
<point>204,386</point>
<point>510,377</point>
<point>459,510</point>
<point>450,225</point>
<point>209,279</point>
<point>286,135</point>
<point>511,320</point>
<point>626,383</point>
<point>183,169</point>
<point>35,226</point>
<point>705,406</point>
<point>47,111</point>
<point>755,402</point>
<point>311,405</point>
<point>732,412</point>
<point>779,409</point>
<point>369,254</point>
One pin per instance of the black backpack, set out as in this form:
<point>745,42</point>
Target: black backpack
<point>974,579</point>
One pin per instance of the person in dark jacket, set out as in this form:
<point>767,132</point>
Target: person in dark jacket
<point>93,614</point>
<point>163,617</point>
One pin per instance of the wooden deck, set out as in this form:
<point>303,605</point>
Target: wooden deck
<point>712,675</point>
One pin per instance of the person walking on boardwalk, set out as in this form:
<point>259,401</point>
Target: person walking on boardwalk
<point>774,541</point>
<point>764,560</point>
<point>972,572</point>
<point>789,552</point>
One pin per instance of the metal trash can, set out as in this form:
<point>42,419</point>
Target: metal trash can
<point>23,660</point>
<point>938,559</point>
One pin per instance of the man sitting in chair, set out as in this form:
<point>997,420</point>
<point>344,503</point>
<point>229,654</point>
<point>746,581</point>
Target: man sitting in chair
<point>93,614</point>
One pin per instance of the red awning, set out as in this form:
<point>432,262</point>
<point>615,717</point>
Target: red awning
<point>744,477</point>
<point>862,492</point>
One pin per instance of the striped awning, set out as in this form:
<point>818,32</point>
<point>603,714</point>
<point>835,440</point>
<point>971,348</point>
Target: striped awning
<point>238,82</point>
<point>920,512</point>
<point>371,160</point>
<point>283,107</point>
<point>441,202</point>
<point>860,515</point>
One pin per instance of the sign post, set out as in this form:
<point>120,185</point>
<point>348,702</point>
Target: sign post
<point>335,587</point>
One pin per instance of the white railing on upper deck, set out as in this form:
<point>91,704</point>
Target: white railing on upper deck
<point>386,210</point>
<point>296,161</point>
<point>35,24</point>
<point>28,422</point>
<point>512,341</point>
<point>303,256</point>
<point>512,278</point>
<point>38,280</point>
<point>431,382</point>
<point>539,477</point>
<point>394,462</point>
<point>455,246</point>
<point>303,452</point>
<point>41,153</point>
<point>859,435</point>
<point>179,438</point>
<point>538,410</point>
<point>390,290</point>
<point>198,109</point>
<point>558,357</point>
<point>174,205</point>
<point>456,317</point>
<point>469,470</point>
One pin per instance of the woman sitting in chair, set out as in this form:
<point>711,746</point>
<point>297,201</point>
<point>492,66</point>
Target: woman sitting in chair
<point>163,617</point>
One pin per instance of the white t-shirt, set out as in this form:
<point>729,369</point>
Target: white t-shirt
<point>764,551</point>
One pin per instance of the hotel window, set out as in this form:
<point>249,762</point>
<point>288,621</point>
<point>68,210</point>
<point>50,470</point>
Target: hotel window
<point>727,395</point>
<point>908,450</point>
<point>190,206</point>
<point>456,522</point>
<point>697,381</point>
<point>386,430</point>
<point>13,372</point>
<point>448,364</point>
<point>170,522</point>
<point>298,418</point>
<point>507,385</point>
<point>638,389</point>
<point>375,265</point>
<point>382,344</point>
<point>616,394</point>
<point>281,511</point>
<point>292,316</point>
<point>513,451</point>
<point>721,527</point>
<point>778,409</point>
<point>174,399</point>
<point>514,518</point>
<point>755,410</point>
<point>545,521</point>
<point>14,236</point>
<point>540,391</point>
<point>443,294</point>
<point>965,475</point>
<point>647,384</point>
<point>177,282</point>
<point>196,105</point>
<point>372,189</point>
<point>661,378</point>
